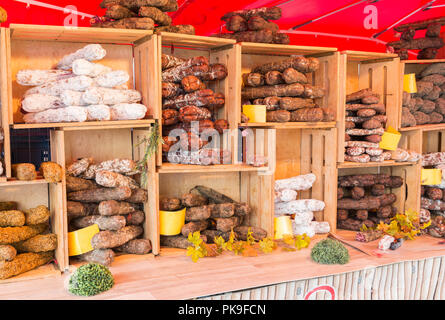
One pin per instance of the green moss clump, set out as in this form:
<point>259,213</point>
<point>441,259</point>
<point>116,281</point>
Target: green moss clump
<point>329,251</point>
<point>90,279</point>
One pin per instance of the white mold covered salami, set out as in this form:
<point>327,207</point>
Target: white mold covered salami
<point>302,182</point>
<point>82,67</point>
<point>320,226</point>
<point>91,52</point>
<point>111,179</point>
<point>300,229</point>
<point>108,96</point>
<point>98,112</point>
<point>303,217</point>
<point>298,205</point>
<point>112,79</point>
<point>55,88</point>
<point>41,102</point>
<point>434,158</point>
<point>285,195</point>
<point>72,98</point>
<point>40,77</point>
<point>128,111</point>
<point>68,114</point>
<point>124,166</point>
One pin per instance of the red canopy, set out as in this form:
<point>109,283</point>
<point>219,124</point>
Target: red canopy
<point>344,29</point>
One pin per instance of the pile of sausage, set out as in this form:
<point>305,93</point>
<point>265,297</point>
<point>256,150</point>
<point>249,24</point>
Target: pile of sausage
<point>363,199</point>
<point>190,109</point>
<point>433,197</point>
<point>364,124</point>
<point>283,87</point>
<point>211,213</point>
<point>302,210</point>
<point>427,105</point>
<point>140,14</point>
<point>254,26</point>
<point>79,90</point>
<point>107,194</point>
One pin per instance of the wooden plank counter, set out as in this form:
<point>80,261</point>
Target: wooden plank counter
<point>149,277</point>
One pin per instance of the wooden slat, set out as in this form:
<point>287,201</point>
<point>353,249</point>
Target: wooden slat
<point>4,100</point>
<point>386,163</point>
<point>363,56</point>
<point>281,49</point>
<point>151,207</point>
<point>185,40</point>
<point>76,34</point>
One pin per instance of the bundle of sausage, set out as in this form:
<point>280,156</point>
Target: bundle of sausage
<point>140,14</point>
<point>366,199</point>
<point>432,201</point>
<point>254,26</point>
<point>190,109</point>
<point>428,45</point>
<point>427,105</point>
<point>212,214</point>
<point>25,240</point>
<point>364,126</point>
<point>107,194</point>
<point>79,90</point>
<point>286,203</point>
<point>284,89</point>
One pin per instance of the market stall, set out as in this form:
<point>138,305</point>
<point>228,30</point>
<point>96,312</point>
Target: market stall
<point>309,172</point>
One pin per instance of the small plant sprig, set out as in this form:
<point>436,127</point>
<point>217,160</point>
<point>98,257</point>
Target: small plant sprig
<point>249,248</point>
<point>151,145</point>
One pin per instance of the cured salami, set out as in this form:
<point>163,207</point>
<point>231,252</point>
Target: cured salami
<point>72,98</point>
<point>302,182</point>
<point>41,102</point>
<point>108,96</point>
<point>113,179</point>
<point>68,114</point>
<point>40,77</point>
<point>301,64</point>
<point>90,52</point>
<point>55,88</point>
<point>82,67</point>
<point>112,79</point>
<point>98,112</point>
<point>128,111</point>
<point>298,205</point>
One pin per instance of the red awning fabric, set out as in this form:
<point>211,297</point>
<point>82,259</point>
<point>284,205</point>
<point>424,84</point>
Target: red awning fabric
<point>337,30</point>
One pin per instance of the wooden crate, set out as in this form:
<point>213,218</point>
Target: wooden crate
<point>327,76</point>
<point>217,50</point>
<point>361,70</point>
<point>69,144</point>
<point>30,194</point>
<point>407,194</point>
<point>311,151</point>
<point>4,102</point>
<point>41,47</point>
<point>254,188</point>
<point>416,66</point>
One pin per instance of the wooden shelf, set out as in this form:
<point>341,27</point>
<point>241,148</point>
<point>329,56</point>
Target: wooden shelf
<point>15,182</point>
<point>192,168</point>
<point>290,125</point>
<point>425,127</point>
<point>282,49</point>
<point>88,125</point>
<point>423,61</point>
<point>186,40</point>
<point>363,56</point>
<point>387,163</point>
<point>76,34</point>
